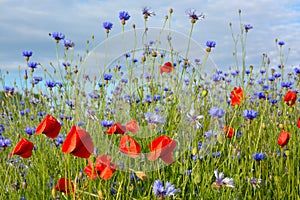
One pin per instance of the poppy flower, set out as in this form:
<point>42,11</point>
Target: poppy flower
<point>299,122</point>
<point>162,147</point>
<point>228,131</point>
<point>78,142</point>
<point>132,126</point>
<point>290,98</point>
<point>103,168</point>
<point>236,96</point>
<point>64,185</point>
<point>49,126</point>
<point>129,146</point>
<point>116,128</point>
<point>23,148</point>
<point>167,67</point>
<point>283,138</point>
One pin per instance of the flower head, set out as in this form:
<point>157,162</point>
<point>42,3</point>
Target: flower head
<point>160,191</point>
<point>23,148</point>
<point>283,138</point>
<point>116,128</point>
<point>193,15</point>
<point>69,44</point>
<point>247,27</point>
<point>147,13</point>
<point>290,98</point>
<point>281,43</point>
<point>194,118</point>
<point>228,131</point>
<point>64,185</point>
<point>27,54</point>
<point>216,112</point>
<point>236,96</point>
<point>58,36</point>
<point>107,26</point>
<point>124,16</point>
<point>258,156</point>
<point>221,180</point>
<point>49,126</point>
<point>78,142</point>
<point>103,167</point>
<point>250,114</point>
<point>129,146</point>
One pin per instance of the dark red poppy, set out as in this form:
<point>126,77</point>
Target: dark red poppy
<point>78,142</point>
<point>162,147</point>
<point>49,126</point>
<point>228,131</point>
<point>103,168</point>
<point>116,128</point>
<point>23,148</point>
<point>64,185</point>
<point>299,122</point>
<point>283,138</point>
<point>236,96</point>
<point>290,98</point>
<point>167,67</point>
<point>129,146</point>
<point>132,126</point>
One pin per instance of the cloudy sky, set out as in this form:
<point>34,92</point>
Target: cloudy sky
<point>25,25</point>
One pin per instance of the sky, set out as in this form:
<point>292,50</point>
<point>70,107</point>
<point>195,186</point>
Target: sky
<point>26,24</point>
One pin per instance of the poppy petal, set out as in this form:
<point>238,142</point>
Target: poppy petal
<point>49,126</point>
<point>283,138</point>
<point>134,148</point>
<point>64,185</point>
<point>132,126</point>
<point>23,148</point>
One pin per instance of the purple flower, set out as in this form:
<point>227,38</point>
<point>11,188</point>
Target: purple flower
<point>29,131</point>
<point>32,65</point>
<point>287,84</point>
<point>258,156</point>
<point>281,43</point>
<point>106,123</point>
<point>59,140</point>
<point>250,114</point>
<point>247,27</point>
<point>297,70</point>
<point>211,44</point>
<point>147,13</point>
<point>50,84</point>
<point>124,16</point>
<point>27,54</point>
<point>161,191</point>
<point>193,15</point>
<point>58,36</point>
<point>216,112</point>
<point>69,44</point>
<point>107,77</point>
<point>153,118</point>
<point>107,26</point>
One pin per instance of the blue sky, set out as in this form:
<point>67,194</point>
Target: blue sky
<point>25,25</point>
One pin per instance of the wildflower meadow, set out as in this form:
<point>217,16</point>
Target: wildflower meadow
<point>147,114</point>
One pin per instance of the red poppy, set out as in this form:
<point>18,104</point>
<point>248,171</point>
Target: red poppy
<point>103,168</point>
<point>23,148</point>
<point>116,128</point>
<point>236,96</point>
<point>283,138</point>
<point>129,146</point>
<point>49,126</point>
<point>64,185</point>
<point>162,147</point>
<point>228,131</point>
<point>290,98</point>
<point>132,126</point>
<point>78,142</point>
<point>299,122</point>
<point>167,67</point>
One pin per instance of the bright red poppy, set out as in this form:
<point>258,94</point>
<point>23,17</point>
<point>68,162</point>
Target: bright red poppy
<point>23,148</point>
<point>132,126</point>
<point>64,185</point>
<point>290,98</point>
<point>228,131</point>
<point>236,96</point>
<point>49,126</point>
<point>283,138</point>
<point>299,122</point>
<point>78,142</point>
<point>129,146</point>
<point>167,68</point>
<point>162,147</point>
<point>103,168</point>
<point>116,128</point>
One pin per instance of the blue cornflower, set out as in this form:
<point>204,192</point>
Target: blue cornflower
<point>29,131</point>
<point>247,27</point>
<point>69,44</point>
<point>27,54</point>
<point>297,70</point>
<point>216,112</point>
<point>70,103</point>
<point>262,71</point>
<point>217,78</point>
<point>277,75</point>
<point>50,84</point>
<point>250,114</point>
<point>32,65</point>
<point>37,79</point>
<point>147,13</point>
<point>211,44</point>
<point>287,84</point>
<point>59,140</point>
<point>194,118</point>
<point>106,123</point>
<point>193,15</point>
<point>107,77</point>
<point>258,156</point>
<point>124,80</point>
<point>261,95</point>
<point>107,26</point>
<point>156,97</point>
<point>4,142</point>
<point>123,16</point>
<point>247,71</point>
<point>161,191</point>
<point>153,118</point>
<point>272,78</point>
<point>58,36</point>
<point>281,43</point>
<point>148,99</point>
